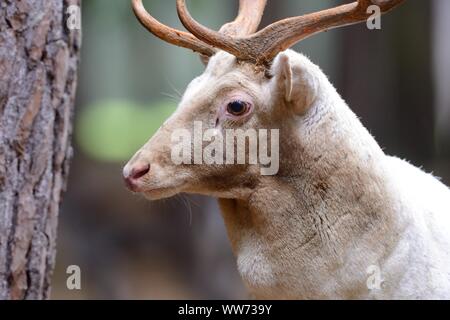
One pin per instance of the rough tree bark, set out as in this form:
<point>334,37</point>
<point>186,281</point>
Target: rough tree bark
<point>38,64</point>
<point>390,86</point>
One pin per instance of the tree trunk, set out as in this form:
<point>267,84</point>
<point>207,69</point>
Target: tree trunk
<point>38,64</point>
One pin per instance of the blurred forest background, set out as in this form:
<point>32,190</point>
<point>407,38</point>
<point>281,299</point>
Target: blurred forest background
<point>396,79</point>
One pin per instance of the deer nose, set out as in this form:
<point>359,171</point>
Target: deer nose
<point>132,174</point>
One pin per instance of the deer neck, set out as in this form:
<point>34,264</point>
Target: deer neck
<point>296,232</point>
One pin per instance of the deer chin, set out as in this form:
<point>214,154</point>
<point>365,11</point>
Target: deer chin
<point>158,193</point>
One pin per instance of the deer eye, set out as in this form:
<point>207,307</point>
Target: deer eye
<point>237,108</point>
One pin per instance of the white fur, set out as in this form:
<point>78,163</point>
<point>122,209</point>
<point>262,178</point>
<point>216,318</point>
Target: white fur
<point>338,206</point>
<point>416,224</point>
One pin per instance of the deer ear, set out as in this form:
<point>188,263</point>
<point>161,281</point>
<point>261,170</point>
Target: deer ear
<point>295,83</point>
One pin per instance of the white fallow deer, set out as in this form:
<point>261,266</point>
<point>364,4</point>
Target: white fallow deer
<point>340,219</point>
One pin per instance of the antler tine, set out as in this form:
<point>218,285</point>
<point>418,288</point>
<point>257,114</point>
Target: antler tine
<point>170,35</point>
<point>283,34</point>
<point>264,45</point>
<point>211,37</point>
<point>248,19</point>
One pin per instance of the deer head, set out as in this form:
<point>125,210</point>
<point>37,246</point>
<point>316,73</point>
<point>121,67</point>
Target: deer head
<point>250,82</point>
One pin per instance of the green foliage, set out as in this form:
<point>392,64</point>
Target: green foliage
<point>113,130</point>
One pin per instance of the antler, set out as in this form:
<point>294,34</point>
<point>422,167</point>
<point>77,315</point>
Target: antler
<point>247,22</point>
<point>263,46</point>
<point>248,19</point>
<point>170,35</point>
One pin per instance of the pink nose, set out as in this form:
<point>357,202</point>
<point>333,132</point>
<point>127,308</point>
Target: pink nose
<point>132,177</point>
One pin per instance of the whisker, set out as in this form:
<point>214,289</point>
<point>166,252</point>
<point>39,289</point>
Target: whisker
<point>174,89</point>
<point>188,206</point>
<point>192,201</point>
<point>171,96</point>
<point>181,199</point>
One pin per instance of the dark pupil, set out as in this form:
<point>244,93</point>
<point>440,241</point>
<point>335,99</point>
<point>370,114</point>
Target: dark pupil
<point>236,107</point>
